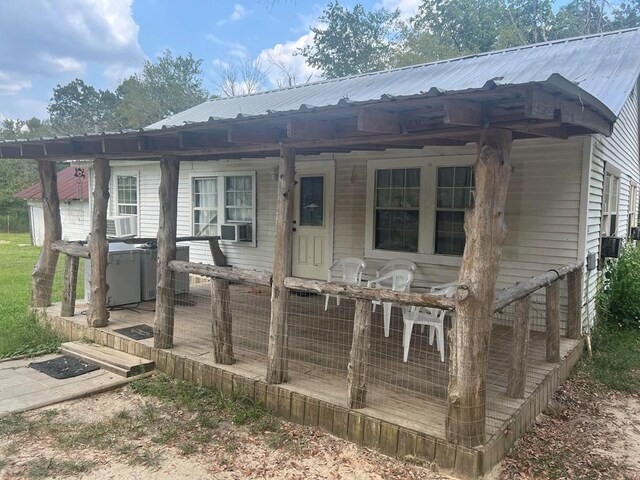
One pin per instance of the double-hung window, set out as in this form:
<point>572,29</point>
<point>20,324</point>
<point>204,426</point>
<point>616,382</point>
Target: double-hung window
<point>418,208</point>
<point>222,199</point>
<point>454,195</point>
<point>632,221</point>
<point>397,210</point>
<point>127,194</point>
<point>610,202</point>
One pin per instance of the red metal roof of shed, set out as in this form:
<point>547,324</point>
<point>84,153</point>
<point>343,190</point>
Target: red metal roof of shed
<point>70,186</point>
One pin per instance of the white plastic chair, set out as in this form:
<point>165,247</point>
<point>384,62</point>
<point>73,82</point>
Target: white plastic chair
<point>396,280</point>
<point>396,264</point>
<point>346,270</point>
<point>432,317</point>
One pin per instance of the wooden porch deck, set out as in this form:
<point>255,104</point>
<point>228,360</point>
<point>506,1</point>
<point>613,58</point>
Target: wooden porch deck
<point>410,395</point>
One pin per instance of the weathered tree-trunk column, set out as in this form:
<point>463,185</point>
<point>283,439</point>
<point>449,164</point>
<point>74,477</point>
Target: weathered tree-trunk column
<point>485,233</point>
<point>221,328</point>
<point>359,361</point>
<point>574,313</point>
<point>68,307</point>
<point>216,254</point>
<point>277,361</point>
<point>167,230</point>
<point>519,349</point>
<point>97,314</point>
<point>553,322</point>
<point>45,268</point>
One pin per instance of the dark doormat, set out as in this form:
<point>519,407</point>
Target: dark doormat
<point>137,332</point>
<point>63,367</point>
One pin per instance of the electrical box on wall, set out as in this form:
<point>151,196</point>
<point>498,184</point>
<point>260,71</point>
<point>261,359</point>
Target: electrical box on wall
<point>610,247</point>
<point>592,262</point>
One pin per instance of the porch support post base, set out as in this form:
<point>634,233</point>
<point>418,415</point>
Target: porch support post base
<point>277,355</point>
<point>485,233</point>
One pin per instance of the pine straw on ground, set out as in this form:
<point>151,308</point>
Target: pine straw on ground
<point>573,439</point>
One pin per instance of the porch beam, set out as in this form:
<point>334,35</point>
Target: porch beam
<point>277,354</point>
<point>574,312</point>
<point>552,299</point>
<point>45,269</point>
<point>519,349</point>
<point>253,134</point>
<point>97,314</point>
<point>308,128</point>
<point>165,292</point>
<point>485,233</point>
<point>358,367</point>
<point>539,104</point>
<point>576,114</point>
<point>378,121</point>
<point>463,112</point>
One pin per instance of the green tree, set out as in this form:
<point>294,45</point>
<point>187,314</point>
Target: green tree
<point>351,41</point>
<point>169,86</point>
<point>626,15</point>
<point>77,108</point>
<point>581,17</point>
<point>530,20</point>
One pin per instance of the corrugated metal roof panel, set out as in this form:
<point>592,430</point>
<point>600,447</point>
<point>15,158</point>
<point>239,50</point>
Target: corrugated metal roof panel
<point>70,187</point>
<point>605,65</point>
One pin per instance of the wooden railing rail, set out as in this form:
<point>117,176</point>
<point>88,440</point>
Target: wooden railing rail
<point>365,293</point>
<point>509,295</point>
<point>223,273</point>
<point>71,249</point>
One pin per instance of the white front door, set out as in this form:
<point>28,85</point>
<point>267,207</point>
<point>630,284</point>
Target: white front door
<point>313,221</point>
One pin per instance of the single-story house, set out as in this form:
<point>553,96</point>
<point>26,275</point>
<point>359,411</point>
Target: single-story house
<point>75,213</point>
<point>505,172</point>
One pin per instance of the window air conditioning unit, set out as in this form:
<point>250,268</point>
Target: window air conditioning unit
<point>610,247</point>
<point>122,226</point>
<point>235,232</point>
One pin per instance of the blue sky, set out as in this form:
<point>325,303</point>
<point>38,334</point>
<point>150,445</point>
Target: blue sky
<point>44,43</point>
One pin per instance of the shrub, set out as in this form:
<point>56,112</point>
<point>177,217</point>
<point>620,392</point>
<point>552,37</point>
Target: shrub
<point>619,298</point>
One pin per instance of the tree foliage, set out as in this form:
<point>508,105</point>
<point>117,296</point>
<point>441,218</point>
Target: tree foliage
<point>351,41</point>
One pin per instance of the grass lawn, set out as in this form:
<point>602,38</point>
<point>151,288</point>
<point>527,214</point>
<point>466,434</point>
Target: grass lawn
<point>20,332</point>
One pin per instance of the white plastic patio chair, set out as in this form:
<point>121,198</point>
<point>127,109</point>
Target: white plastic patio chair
<point>396,280</point>
<point>396,264</point>
<point>432,317</point>
<point>346,270</point>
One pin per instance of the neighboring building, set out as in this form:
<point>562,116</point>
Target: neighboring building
<point>73,189</point>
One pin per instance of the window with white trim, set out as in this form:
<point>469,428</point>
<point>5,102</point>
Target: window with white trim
<point>127,194</point>
<point>221,199</point>
<point>632,219</point>
<point>610,202</point>
<point>397,217</point>
<point>417,208</point>
<point>454,195</point>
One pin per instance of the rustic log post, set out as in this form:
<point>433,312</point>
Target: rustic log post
<point>574,313</point>
<point>167,230</point>
<point>359,359</point>
<point>519,349</point>
<point>68,307</point>
<point>485,233</point>
<point>216,254</point>
<point>221,329</point>
<point>97,314</point>
<point>553,322</point>
<point>277,361</point>
<point>45,268</point>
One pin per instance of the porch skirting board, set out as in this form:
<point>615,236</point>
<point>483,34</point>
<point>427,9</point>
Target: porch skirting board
<point>363,427</point>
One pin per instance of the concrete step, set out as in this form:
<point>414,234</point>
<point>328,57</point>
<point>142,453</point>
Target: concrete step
<point>120,363</point>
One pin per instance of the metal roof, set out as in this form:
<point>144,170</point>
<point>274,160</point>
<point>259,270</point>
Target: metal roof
<point>70,187</point>
<point>605,66</point>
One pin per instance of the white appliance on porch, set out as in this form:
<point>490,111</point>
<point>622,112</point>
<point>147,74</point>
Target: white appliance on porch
<point>149,268</point>
<point>123,275</point>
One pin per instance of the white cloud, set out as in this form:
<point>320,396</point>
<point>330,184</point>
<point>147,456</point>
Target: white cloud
<point>236,50</point>
<point>239,12</point>
<point>407,7</point>
<point>54,40</point>
<point>11,86</point>
<point>282,62</point>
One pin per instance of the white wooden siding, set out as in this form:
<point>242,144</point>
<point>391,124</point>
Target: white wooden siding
<point>74,215</point>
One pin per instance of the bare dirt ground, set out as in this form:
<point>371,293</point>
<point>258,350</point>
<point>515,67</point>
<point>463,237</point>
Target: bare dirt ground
<point>584,434</point>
